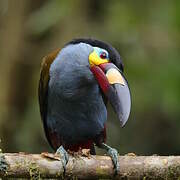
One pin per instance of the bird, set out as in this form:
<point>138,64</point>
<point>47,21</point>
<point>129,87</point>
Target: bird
<point>76,83</point>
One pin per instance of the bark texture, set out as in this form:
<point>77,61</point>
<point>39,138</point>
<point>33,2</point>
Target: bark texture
<point>45,165</point>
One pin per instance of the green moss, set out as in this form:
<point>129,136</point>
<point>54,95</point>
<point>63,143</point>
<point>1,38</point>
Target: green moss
<point>18,164</point>
<point>34,172</point>
<point>81,162</point>
<point>100,171</point>
<point>173,172</point>
<point>3,164</point>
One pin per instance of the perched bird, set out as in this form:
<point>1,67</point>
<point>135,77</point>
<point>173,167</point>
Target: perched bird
<point>75,84</point>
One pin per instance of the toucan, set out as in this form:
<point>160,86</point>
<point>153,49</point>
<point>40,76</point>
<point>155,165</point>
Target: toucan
<point>76,82</point>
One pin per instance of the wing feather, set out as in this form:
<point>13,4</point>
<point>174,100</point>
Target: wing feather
<point>43,89</point>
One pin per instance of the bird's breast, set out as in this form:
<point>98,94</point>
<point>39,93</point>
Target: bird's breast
<point>76,111</point>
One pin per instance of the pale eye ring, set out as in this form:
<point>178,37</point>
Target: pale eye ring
<point>103,55</point>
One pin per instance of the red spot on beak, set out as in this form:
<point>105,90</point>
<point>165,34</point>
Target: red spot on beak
<point>101,78</point>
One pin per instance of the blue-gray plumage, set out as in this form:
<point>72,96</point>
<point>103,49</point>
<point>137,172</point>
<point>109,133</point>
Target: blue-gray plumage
<point>76,111</point>
<point>75,84</point>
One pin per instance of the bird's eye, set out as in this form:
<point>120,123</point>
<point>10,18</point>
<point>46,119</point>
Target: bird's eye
<point>103,55</point>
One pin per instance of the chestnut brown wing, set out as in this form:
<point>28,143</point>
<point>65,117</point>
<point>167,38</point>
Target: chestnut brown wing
<point>43,88</point>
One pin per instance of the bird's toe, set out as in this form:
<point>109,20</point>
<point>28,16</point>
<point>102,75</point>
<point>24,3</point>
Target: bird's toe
<point>113,153</point>
<point>64,156</point>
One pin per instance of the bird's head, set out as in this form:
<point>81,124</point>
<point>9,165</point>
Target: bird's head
<point>107,67</point>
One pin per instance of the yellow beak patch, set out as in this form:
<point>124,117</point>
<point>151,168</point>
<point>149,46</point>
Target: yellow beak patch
<point>114,77</point>
<point>94,59</point>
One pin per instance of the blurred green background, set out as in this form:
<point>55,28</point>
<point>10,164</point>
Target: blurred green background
<point>147,35</point>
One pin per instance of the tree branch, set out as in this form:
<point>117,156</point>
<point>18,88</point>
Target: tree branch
<point>45,165</point>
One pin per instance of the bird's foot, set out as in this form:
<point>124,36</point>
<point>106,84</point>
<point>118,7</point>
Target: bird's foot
<point>113,153</point>
<point>63,155</point>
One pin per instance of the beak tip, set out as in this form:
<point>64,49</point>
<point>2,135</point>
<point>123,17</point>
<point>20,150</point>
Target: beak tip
<point>122,120</point>
<point>122,123</point>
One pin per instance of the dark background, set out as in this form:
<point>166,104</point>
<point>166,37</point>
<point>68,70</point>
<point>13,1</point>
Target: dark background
<point>147,35</point>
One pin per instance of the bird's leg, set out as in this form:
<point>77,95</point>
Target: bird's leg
<point>64,156</point>
<point>113,153</point>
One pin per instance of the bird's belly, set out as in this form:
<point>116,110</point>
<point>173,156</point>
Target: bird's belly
<point>76,126</point>
<point>77,121</point>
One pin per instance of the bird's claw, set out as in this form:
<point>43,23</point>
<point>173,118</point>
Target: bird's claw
<point>113,153</point>
<point>64,156</point>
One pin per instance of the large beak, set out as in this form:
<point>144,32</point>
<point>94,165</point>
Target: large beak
<point>115,88</point>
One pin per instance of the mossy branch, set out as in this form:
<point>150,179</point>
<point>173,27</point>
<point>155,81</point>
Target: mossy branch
<point>45,165</point>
